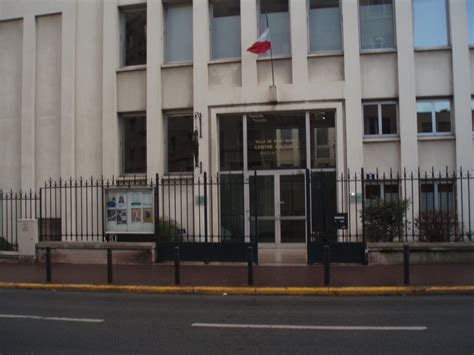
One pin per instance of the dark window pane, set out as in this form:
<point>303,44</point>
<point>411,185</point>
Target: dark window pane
<point>371,121</point>
<point>180,154</point>
<point>230,142</point>
<point>389,119</point>
<point>424,116</point>
<point>427,197</point>
<point>135,36</point>
<point>276,141</point>
<point>232,207</point>
<point>226,29</point>
<point>372,191</point>
<point>323,139</point>
<point>279,23</point>
<point>443,116</point>
<point>134,145</point>
<point>391,192</point>
<point>446,196</point>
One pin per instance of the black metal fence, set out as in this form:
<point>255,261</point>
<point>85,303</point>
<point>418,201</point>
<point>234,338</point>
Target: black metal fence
<point>369,206</point>
<point>13,207</point>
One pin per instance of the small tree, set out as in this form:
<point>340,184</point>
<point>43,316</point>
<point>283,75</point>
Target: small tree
<point>384,220</point>
<point>169,230</point>
<point>437,225</point>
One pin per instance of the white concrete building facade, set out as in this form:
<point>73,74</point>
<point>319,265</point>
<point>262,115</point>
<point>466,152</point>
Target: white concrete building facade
<point>117,87</point>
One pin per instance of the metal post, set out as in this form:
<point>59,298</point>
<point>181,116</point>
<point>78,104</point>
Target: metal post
<point>205,207</point>
<point>109,266</point>
<point>406,264</point>
<point>48,264</point>
<point>308,216</point>
<point>250,266</point>
<point>177,275</point>
<point>327,279</point>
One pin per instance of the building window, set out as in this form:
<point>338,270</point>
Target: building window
<point>178,33</point>
<point>386,190</point>
<point>231,143</point>
<point>225,33</point>
<point>376,24</point>
<point>133,128</point>
<point>180,136</point>
<point>380,119</point>
<point>430,23</point>
<point>324,26</point>
<point>437,196</point>
<point>434,117</point>
<point>470,20</point>
<point>323,139</point>
<point>279,22</point>
<point>133,36</point>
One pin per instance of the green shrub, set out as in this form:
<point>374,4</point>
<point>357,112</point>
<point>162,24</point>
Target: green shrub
<point>4,245</point>
<point>437,226</point>
<point>169,231</point>
<point>384,220</point>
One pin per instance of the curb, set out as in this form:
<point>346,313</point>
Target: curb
<point>256,291</point>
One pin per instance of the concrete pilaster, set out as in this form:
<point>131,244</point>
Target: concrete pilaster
<point>28,104</point>
<point>299,41</point>
<point>154,115</point>
<point>248,18</point>
<point>110,60</point>
<point>352,85</point>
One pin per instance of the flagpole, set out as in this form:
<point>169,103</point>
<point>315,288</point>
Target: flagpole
<point>271,53</point>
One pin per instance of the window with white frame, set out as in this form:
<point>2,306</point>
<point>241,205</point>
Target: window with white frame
<point>381,190</point>
<point>434,117</point>
<point>376,24</point>
<point>225,31</point>
<point>133,133</point>
<point>324,26</point>
<point>430,23</point>
<point>470,20</point>
<point>180,137</point>
<point>380,118</point>
<point>178,33</point>
<point>437,195</point>
<point>133,36</point>
<point>279,22</point>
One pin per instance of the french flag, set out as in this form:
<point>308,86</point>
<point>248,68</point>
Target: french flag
<point>263,43</point>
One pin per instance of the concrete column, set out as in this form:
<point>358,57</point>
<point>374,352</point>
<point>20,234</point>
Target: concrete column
<point>352,85</point>
<point>248,16</point>
<point>299,41</point>
<point>110,60</point>
<point>28,104</point>
<point>200,75</point>
<point>68,85</point>
<point>461,83</point>
<point>406,86</point>
<point>154,115</point>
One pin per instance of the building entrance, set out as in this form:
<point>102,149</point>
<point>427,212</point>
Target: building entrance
<point>280,200</point>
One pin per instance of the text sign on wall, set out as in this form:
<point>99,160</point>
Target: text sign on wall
<point>129,210</point>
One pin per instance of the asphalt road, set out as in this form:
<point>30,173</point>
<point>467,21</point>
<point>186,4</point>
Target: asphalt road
<point>46,322</point>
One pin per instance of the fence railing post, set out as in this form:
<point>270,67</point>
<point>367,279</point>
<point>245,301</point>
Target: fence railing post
<point>109,266</point>
<point>327,263</point>
<point>308,216</point>
<point>249,266</point>
<point>48,264</point>
<point>177,271</point>
<point>406,264</point>
<point>205,208</point>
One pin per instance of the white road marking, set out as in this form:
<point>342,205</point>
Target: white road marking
<point>308,327</point>
<point>61,319</point>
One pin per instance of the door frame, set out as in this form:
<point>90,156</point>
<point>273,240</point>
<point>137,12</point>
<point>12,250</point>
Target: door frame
<point>277,207</point>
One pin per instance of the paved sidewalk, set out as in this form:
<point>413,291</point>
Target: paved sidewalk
<point>235,275</point>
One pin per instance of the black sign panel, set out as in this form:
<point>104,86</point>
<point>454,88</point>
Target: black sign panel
<point>340,220</point>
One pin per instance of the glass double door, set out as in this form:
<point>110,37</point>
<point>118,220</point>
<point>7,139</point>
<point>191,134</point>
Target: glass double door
<point>278,200</point>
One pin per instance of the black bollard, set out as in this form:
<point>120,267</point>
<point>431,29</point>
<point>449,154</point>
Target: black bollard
<point>177,275</point>
<point>250,266</point>
<point>406,264</point>
<point>110,276</point>
<point>48,264</point>
<point>327,278</point>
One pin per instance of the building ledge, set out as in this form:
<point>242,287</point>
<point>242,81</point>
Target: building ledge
<point>132,68</point>
<point>325,54</point>
<point>381,139</point>
<point>445,137</point>
<point>378,51</point>
<point>177,65</point>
